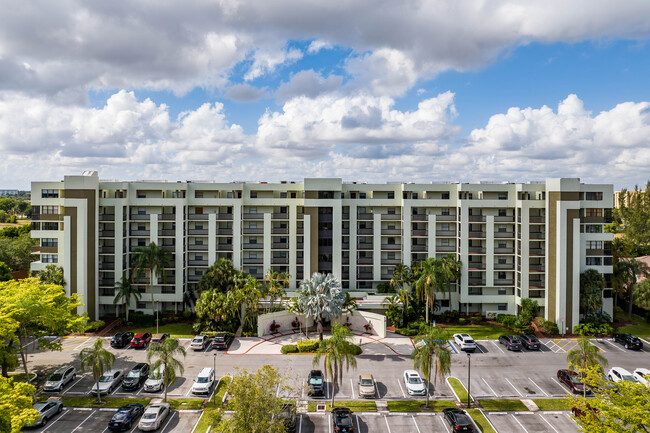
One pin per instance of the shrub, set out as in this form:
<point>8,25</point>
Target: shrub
<point>475,320</point>
<point>352,348</point>
<point>618,311</point>
<point>647,316</point>
<point>598,318</point>
<point>142,320</point>
<point>95,326</point>
<point>407,332</point>
<point>546,326</point>
<point>507,320</point>
<point>462,321</point>
<point>289,348</point>
<point>308,345</point>
<point>187,314</point>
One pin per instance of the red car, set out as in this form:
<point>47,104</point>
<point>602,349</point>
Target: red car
<point>578,412</point>
<point>141,339</point>
<point>571,379</point>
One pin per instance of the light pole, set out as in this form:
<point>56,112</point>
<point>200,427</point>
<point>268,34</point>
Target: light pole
<point>156,306</point>
<point>214,367</point>
<point>469,379</point>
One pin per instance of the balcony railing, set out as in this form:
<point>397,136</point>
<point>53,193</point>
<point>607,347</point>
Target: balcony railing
<point>253,230</point>
<point>171,248</point>
<point>476,218</point>
<point>197,262</point>
<point>420,248</point>
<point>107,283</point>
<point>105,250</point>
<point>279,260</point>
<point>364,231</point>
<point>476,282</point>
<point>477,234</point>
<point>225,232</point>
<point>506,282</point>
<point>507,235</point>
<point>253,261</point>
<point>280,245</point>
<point>419,232</point>
<point>280,231</point>
<point>224,217</point>
<point>536,251</point>
<point>536,284</point>
<point>106,217</point>
<point>364,246</point>
<point>445,249</point>
<point>536,268</point>
<point>167,217</point>
<point>364,216</point>
<point>391,231</point>
<point>198,217</point>
<point>106,266</point>
<point>419,217</point>
<point>140,217</point>
<point>364,261</point>
<point>166,232</point>
<point>140,232</point>
<point>197,247</point>
<point>504,266</point>
<point>224,247</point>
<point>106,233</point>
<point>391,216</point>
<point>199,232</point>
<point>445,233</point>
<point>445,217</point>
<point>504,251</point>
<point>537,219</point>
<point>537,235</point>
<point>387,262</point>
<point>280,216</point>
<point>504,219</point>
<point>253,216</point>
<point>364,276</point>
<point>475,265</point>
<point>253,246</point>
<point>194,277</point>
<point>476,250</point>
<point>391,246</point>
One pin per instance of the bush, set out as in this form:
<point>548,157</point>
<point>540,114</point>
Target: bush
<point>352,348</point>
<point>475,320</point>
<point>449,316</point>
<point>188,314</point>
<point>546,326</point>
<point>407,332</point>
<point>594,330</point>
<point>598,318</point>
<point>618,311</point>
<point>507,320</point>
<point>95,326</point>
<point>308,345</point>
<point>461,321</point>
<point>140,319</point>
<point>289,348</point>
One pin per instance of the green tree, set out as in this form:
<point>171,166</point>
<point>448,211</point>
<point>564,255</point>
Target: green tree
<point>254,403</point>
<point>336,354</point>
<point>625,273</point>
<point>16,252</point>
<point>249,298</point>
<point>642,294</point>
<point>349,304</point>
<point>585,356</point>
<point>8,357</point>
<point>275,284</point>
<point>16,405</point>
<point>402,277</point>
<point>124,291</point>
<point>633,214</point>
<point>5,272</point>
<point>165,355</point>
<point>429,277</point>
<point>431,354</point>
<point>216,310</point>
<point>321,298</point>
<point>99,360</point>
<point>222,277</point>
<point>592,284</point>
<point>529,309</point>
<point>52,274</point>
<point>152,260</point>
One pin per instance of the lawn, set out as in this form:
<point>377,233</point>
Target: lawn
<point>110,402</point>
<point>353,405</point>
<point>459,389</point>
<point>212,413</point>
<point>503,405</point>
<point>480,420</point>
<point>175,330</point>
<point>642,329</point>
<point>486,331</point>
<point>415,405</point>
<point>552,404</point>
<point>186,403</point>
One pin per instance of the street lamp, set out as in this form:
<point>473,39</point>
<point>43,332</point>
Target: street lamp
<point>157,307</point>
<point>469,379</point>
<point>214,367</point>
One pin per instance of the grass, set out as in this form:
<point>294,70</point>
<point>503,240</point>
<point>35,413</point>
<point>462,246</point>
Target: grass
<point>486,331</point>
<point>459,389</point>
<point>211,416</point>
<point>552,404</point>
<point>186,403</point>
<point>415,405</point>
<point>20,222</point>
<point>642,329</point>
<point>480,420</point>
<point>503,405</point>
<point>175,330</point>
<point>353,405</point>
<point>21,377</point>
<point>110,402</point>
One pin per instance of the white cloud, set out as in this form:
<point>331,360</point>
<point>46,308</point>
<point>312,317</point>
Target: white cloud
<point>308,83</point>
<point>266,61</point>
<point>317,45</point>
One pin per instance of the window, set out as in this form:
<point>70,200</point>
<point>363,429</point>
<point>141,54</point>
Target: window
<point>502,307</point>
<point>198,257</point>
<point>49,258</point>
<point>594,196</point>
<point>502,260</point>
<point>593,212</point>
<point>391,241</point>
<point>594,245</point>
<point>229,195</point>
<point>49,242</point>
<point>50,193</point>
<point>49,210</point>
<point>198,194</point>
<point>49,226</point>
<point>444,303</point>
<point>362,195</point>
<point>391,195</point>
<point>142,243</point>
<point>391,211</point>
<point>293,195</point>
<point>252,271</point>
<point>502,229</point>
<point>353,195</point>
<point>252,255</point>
<point>444,227</point>
<point>415,196</point>
<point>142,194</point>
<point>607,261</point>
<point>445,211</point>
<point>502,245</point>
<point>198,242</point>
<point>594,261</point>
<point>592,228</point>
<point>253,194</point>
<point>502,291</point>
<point>252,241</point>
<point>283,195</point>
<point>503,212</point>
<point>415,211</point>
<point>252,225</point>
<point>445,196</point>
<point>503,196</point>
<point>252,210</point>
<point>501,276</point>
<point>390,256</point>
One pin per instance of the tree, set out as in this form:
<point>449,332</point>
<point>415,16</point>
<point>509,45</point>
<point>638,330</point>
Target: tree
<point>214,308</point>
<point>99,360</point>
<point>52,274</point>
<point>16,405</point>
<point>402,276</point>
<point>249,297</point>
<point>321,298</point>
<point>124,291</point>
<point>625,273</point>
<point>16,252</point>
<point>584,356</point>
<point>275,284</point>
<point>642,294</point>
<point>8,357</point>
<point>222,277</point>
<point>430,276</point>
<point>5,272</point>
<point>152,260</point>
<point>529,309</point>
<point>633,214</point>
<point>431,352</point>
<point>254,403</point>
<point>349,304</point>
<point>592,284</point>
<point>336,354</point>
<point>165,354</point>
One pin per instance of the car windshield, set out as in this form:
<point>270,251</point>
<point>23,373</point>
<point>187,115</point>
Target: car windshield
<point>415,380</point>
<point>202,380</point>
<point>629,378</point>
<point>134,374</point>
<point>135,340</point>
<point>39,406</point>
<point>366,382</point>
<point>574,379</point>
<point>640,374</point>
<point>56,377</point>
<point>315,381</point>
<point>197,340</point>
<point>121,414</point>
<point>219,339</point>
<point>106,379</point>
<point>150,415</point>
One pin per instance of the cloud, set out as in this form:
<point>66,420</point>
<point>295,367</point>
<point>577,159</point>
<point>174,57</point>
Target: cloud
<point>244,93</point>
<point>266,61</point>
<point>308,83</point>
<point>317,45</point>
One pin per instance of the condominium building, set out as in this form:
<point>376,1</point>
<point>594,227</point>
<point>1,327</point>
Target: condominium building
<point>515,241</point>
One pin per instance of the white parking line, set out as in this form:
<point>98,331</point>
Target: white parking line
<point>304,385</point>
<point>352,388</point>
<point>300,425</point>
<point>168,421</point>
<point>357,416</point>
<point>87,418</point>
<point>64,392</point>
<point>540,388</point>
<point>497,346</point>
<point>328,390</point>
<point>55,421</point>
<point>387,426</point>
<point>522,427</point>
<point>444,424</point>
<point>520,394</point>
<point>561,386</point>
<point>488,385</point>
<point>416,424</point>
<point>479,348</point>
<point>616,345</point>
<point>401,389</point>
<point>549,424</point>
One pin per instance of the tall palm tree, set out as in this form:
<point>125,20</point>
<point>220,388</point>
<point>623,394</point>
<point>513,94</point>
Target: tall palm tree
<point>451,267</point>
<point>625,273</point>
<point>402,276</point>
<point>642,294</point>
<point>592,284</point>
<point>165,356</point>
<point>152,260</point>
<point>124,291</point>
<point>350,304</point>
<point>431,352</point>
<point>321,298</point>
<point>430,276</point>
<point>249,297</point>
<point>336,355</point>
<point>99,359</point>
<point>275,285</point>
<point>584,356</point>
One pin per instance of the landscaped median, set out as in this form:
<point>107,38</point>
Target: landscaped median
<point>212,413</point>
<point>417,405</point>
<point>115,403</point>
<point>481,421</point>
<point>353,405</point>
<point>458,388</point>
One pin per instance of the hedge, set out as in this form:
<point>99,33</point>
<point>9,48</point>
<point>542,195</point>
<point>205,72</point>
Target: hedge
<point>308,345</point>
<point>289,348</point>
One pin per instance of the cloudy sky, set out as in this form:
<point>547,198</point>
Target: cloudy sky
<point>383,90</point>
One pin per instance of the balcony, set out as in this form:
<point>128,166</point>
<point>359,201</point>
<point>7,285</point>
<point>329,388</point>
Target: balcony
<point>106,266</point>
<point>391,217</point>
<point>107,282</point>
<point>106,217</point>
<point>224,217</point>
<point>253,216</point>
<point>253,231</point>
<point>280,216</point>
<point>197,247</point>
<point>537,219</point>
<point>476,250</point>
<point>193,278</point>
<point>253,261</point>
<point>364,276</point>
<point>536,285</point>
<point>475,291</point>
<point>504,251</point>
<point>419,232</point>
<point>418,248</point>
<point>301,260</point>
<point>224,247</point>
<point>167,217</point>
<point>199,232</point>
<point>476,218</point>
<point>504,266</point>
<point>536,294</point>
<point>536,251</point>
<point>167,232</point>
<point>225,232</point>
<point>346,216</point>
<point>345,245</point>
<point>140,217</point>
<point>107,292</point>
<point>364,217</point>
<point>536,268</point>
<point>364,261</point>
<point>388,262</point>
<point>386,277</point>
<point>106,233</point>
<point>364,246</point>
<point>480,235</point>
<point>255,246</point>
<point>198,217</point>
<point>280,231</point>
<point>364,231</point>
<point>447,233</point>
<point>445,217</point>
<point>140,232</point>
<point>445,249</point>
<point>476,282</point>
<point>507,235</point>
<point>171,248</point>
<point>280,245</point>
<point>505,282</point>
<point>475,265</point>
<point>279,260</point>
<point>391,232</point>
<point>419,217</point>
<point>197,262</point>
<point>504,219</point>
<point>391,247</point>
<point>104,250</point>
<point>300,245</point>
<point>537,235</point>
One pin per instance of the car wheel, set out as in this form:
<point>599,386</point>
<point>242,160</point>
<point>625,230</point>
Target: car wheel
<point>74,376</point>
<point>610,377</point>
<point>627,346</point>
<point>59,409</point>
<point>44,420</point>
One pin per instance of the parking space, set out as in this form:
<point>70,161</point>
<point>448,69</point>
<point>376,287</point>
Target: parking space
<point>533,422</point>
<point>377,423</point>
<point>533,386</point>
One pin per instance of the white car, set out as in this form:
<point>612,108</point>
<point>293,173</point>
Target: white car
<point>108,382</point>
<point>414,383</point>
<point>642,375</point>
<point>155,381</point>
<point>465,342</point>
<point>616,374</point>
<point>60,378</point>
<point>199,342</point>
<point>204,381</point>
<point>153,416</point>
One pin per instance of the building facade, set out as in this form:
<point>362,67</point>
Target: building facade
<point>514,240</point>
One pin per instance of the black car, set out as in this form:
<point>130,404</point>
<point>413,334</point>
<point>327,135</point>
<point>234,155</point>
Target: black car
<point>458,419</point>
<point>512,342</point>
<point>315,383</point>
<point>342,420</point>
<point>289,417</point>
<point>136,377</point>
<point>121,339</point>
<point>629,341</point>
<point>126,417</point>
<point>221,341</point>
<point>530,342</point>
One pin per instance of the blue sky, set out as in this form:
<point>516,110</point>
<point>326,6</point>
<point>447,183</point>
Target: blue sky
<point>369,91</point>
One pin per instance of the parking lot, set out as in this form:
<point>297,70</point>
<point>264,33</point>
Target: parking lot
<point>533,422</point>
<point>377,423</point>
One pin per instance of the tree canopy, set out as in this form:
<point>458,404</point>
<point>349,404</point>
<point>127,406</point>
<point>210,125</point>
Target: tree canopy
<point>16,252</point>
<point>321,298</point>
<point>5,272</point>
<point>222,277</point>
<point>52,274</point>
<point>16,405</point>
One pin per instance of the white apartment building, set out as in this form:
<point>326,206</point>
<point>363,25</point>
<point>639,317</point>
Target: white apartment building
<point>514,240</point>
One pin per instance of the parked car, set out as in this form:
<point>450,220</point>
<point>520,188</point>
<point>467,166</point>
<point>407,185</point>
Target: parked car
<point>289,417</point>
<point>153,416</point>
<point>617,374</point>
<point>46,411</point>
<point>642,375</point>
<point>204,381</point>
<point>136,377</point>
<point>121,339</point>
<point>572,380</point>
<point>414,383</point>
<point>222,340</point>
<point>458,419</point>
<point>141,340</point>
<point>199,342</point>
<point>465,342</point>
<point>366,385</point>
<point>60,378</point>
<point>530,342</point>
<point>512,342</point>
<point>159,338</point>
<point>629,341</point>
<point>155,381</point>
<point>315,384</point>
<point>126,416</point>
<point>342,420</point>
<point>108,382</point>
<point>576,411</point>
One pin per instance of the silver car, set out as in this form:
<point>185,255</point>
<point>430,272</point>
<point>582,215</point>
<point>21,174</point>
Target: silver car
<point>153,416</point>
<point>60,378</point>
<point>108,382</point>
<point>46,411</point>
<point>155,381</point>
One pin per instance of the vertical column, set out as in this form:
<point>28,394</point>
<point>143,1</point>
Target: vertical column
<point>212,238</point>
<point>489,250</point>
<point>575,276</point>
<point>524,257</point>
<point>293,236</point>
<point>464,250</point>
<point>119,241</point>
<point>267,242</point>
<point>431,235</point>
<point>406,232</point>
<point>376,247</point>
<point>153,237</point>
<point>179,248</point>
<point>236,234</point>
<point>337,238</point>
<point>307,271</point>
<point>353,246</point>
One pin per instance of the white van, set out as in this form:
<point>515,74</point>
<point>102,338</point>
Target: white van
<point>204,381</point>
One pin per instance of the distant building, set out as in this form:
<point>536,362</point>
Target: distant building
<point>8,192</point>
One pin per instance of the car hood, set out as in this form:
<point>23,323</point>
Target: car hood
<point>53,383</point>
<point>103,386</point>
<point>415,387</point>
<point>153,381</point>
<point>364,389</point>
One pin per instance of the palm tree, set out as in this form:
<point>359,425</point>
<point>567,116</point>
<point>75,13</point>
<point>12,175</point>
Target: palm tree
<point>249,296</point>
<point>321,298</point>
<point>124,291</point>
<point>585,356</point>
<point>350,304</point>
<point>430,276</point>
<point>625,273</point>
<point>592,284</point>
<point>152,260</point>
<point>336,355</point>
<point>402,276</point>
<point>431,353</point>
<point>275,285</point>
<point>99,359</point>
<point>451,267</point>
<point>165,354</point>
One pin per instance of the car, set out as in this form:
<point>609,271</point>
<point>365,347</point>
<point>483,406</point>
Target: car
<point>110,380</point>
<point>199,342</point>
<point>204,381</point>
<point>512,342</point>
<point>629,341</point>
<point>458,419</point>
<point>136,377</point>
<point>159,338</point>
<point>573,381</point>
<point>342,420</point>
<point>153,416</point>
<point>617,374</point>
<point>155,381</point>
<point>60,378</point>
<point>642,375</point>
<point>465,342</point>
<point>141,340</point>
<point>46,411</point>
<point>577,412</point>
<point>289,417</point>
<point>126,416</point>
<point>121,339</point>
<point>221,341</point>
<point>414,383</point>
<point>366,385</point>
<point>530,342</point>
<point>315,384</point>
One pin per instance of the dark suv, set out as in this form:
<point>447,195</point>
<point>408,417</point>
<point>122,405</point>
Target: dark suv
<point>136,377</point>
<point>315,383</point>
<point>221,341</point>
<point>512,342</point>
<point>342,420</point>
<point>530,342</point>
<point>121,339</point>
<point>629,341</point>
<point>458,419</point>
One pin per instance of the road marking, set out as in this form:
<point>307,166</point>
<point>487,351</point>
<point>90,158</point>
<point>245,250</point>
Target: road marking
<point>387,426</point>
<point>401,389</point>
<point>523,428</point>
<point>277,390</point>
<point>498,347</point>
<point>87,418</point>
<point>488,385</point>
<point>520,394</point>
<point>352,388</point>
<point>168,421</point>
<point>376,390</point>
<point>540,388</point>
<point>55,421</point>
<point>563,387</point>
<point>328,390</point>
<point>416,424</point>
<point>452,345</point>
<point>300,425</point>
<point>358,429</point>
<point>63,393</point>
<point>443,421</point>
<point>613,343</point>
<point>550,425</point>
<point>304,385</point>
<point>479,348</point>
